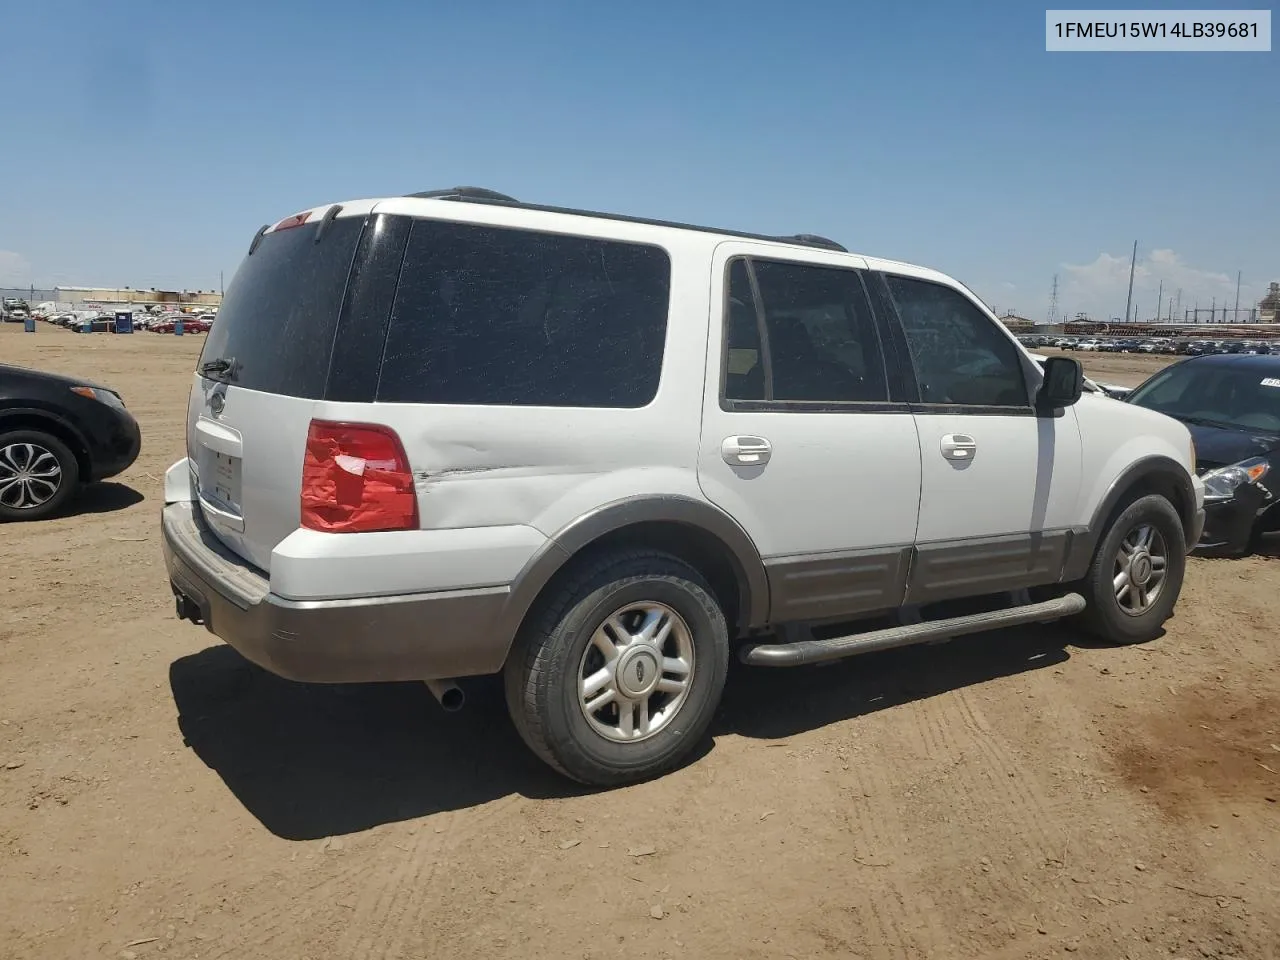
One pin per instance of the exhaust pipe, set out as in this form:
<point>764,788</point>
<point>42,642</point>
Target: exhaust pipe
<point>448,694</point>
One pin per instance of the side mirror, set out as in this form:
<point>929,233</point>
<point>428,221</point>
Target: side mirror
<point>1063,384</point>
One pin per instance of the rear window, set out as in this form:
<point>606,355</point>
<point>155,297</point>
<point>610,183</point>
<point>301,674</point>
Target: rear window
<point>496,316</point>
<point>280,313</point>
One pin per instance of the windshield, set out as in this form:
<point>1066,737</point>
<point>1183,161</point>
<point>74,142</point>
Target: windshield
<point>1220,395</point>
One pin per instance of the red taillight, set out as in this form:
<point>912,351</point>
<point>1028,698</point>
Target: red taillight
<point>297,220</point>
<point>356,479</point>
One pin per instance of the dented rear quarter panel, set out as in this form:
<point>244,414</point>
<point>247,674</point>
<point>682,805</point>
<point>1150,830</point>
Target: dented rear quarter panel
<point>477,466</point>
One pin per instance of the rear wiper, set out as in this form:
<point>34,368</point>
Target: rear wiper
<point>225,365</point>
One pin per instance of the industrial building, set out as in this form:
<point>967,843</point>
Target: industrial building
<point>129,298</point>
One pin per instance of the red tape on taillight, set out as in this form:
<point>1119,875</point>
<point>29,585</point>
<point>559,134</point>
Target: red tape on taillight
<point>356,479</point>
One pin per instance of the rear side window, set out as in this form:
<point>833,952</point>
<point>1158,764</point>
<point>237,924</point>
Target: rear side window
<point>494,316</point>
<point>959,355</point>
<point>821,342</point>
<point>280,313</point>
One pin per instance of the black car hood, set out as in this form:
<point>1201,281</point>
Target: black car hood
<point>1216,446</point>
<point>15,374</point>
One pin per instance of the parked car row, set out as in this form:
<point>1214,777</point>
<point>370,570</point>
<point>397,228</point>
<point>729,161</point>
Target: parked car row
<point>1153,345</point>
<point>99,321</point>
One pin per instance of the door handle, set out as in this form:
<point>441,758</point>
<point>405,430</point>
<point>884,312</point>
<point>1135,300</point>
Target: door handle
<point>959,446</point>
<point>745,451</point>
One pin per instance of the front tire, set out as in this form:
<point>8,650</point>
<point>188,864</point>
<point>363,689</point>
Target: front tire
<point>620,668</point>
<point>1136,574</point>
<point>38,474</point>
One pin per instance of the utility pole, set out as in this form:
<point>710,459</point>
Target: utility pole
<point>1159,300</point>
<point>1133,262</point>
<point>1236,315</point>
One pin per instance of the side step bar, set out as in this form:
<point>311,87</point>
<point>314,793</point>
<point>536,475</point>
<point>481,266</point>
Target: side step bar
<point>836,648</point>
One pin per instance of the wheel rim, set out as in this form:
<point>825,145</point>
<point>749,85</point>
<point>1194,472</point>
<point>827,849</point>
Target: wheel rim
<point>636,672</point>
<point>1141,565</point>
<point>29,475</point>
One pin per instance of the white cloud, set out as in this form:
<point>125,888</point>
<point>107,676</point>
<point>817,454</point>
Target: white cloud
<point>1101,287</point>
<point>15,270</point>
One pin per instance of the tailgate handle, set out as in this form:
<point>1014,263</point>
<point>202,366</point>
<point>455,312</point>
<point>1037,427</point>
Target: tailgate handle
<point>219,437</point>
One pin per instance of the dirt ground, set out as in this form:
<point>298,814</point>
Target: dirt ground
<point>1022,794</point>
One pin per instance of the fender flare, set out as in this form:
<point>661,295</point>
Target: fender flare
<point>1160,468</point>
<point>564,545</point>
<point>13,413</point>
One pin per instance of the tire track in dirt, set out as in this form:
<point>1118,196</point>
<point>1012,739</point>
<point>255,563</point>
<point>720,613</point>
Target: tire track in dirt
<point>396,898</point>
<point>267,928</point>
<point>1006,776</point>
<point>400,900</point>
<point>893,911</point>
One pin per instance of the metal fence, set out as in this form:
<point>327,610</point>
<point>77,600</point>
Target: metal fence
<point>32,295</point>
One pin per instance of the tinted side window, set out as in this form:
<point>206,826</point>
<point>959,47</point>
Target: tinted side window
<point>821,343</point>
<point>488,315</point>
<point>281,310</point>
<point>744,359</point>
<point>960,357</point>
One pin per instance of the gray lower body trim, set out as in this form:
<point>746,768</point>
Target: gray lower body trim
<point>848,584</point>
<point>949,570</point>
<point>825,586</point>
<point>415,637</point>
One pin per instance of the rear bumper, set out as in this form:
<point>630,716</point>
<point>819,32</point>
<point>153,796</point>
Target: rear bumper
<point>417,636</point>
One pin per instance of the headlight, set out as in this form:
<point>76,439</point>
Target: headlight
<point>1221,484</point>
<point>110,398</point>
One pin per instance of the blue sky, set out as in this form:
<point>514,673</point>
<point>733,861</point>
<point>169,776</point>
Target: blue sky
<point>157,136</point>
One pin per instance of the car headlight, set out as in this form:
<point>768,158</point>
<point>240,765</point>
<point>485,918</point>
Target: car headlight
<point>1222,483</point>
<point>109,397</point>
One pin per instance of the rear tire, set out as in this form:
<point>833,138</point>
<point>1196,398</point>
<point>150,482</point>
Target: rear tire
<point>38,474</point>
<point>1136,574</point>
<point>620,668</point>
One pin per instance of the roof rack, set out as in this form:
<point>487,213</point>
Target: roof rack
<point>485,195</point>
<point>465,193</point>
<point>813,240</point>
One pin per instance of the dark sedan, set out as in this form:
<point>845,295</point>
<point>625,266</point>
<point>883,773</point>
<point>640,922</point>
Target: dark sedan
<point>56,434</point>
<point>1231,404</point>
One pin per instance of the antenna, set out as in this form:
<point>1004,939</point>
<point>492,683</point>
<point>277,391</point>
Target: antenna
<point>1053,302</point>
<point>1132,264</point>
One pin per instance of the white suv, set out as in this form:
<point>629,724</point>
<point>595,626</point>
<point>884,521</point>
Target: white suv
<point>451,434</point>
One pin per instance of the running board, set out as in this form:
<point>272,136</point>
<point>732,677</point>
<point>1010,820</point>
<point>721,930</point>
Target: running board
<point>836,648</point>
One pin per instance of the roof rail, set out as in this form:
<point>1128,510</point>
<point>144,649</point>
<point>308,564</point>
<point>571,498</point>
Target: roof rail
<point>465,193</point>
<point>485,195</point>
<point>813,240</point>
